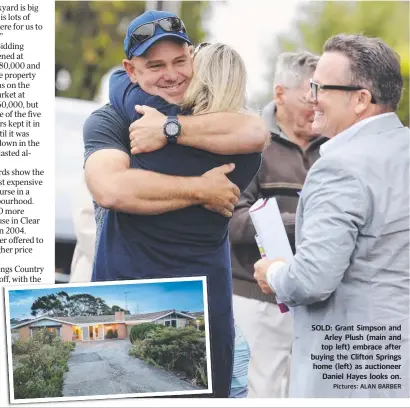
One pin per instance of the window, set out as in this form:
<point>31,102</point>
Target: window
<point>76,333</point>
<point>171,323</point>
<point>54,330</point>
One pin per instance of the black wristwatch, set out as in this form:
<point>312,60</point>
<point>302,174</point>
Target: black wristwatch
<point>172,129</point>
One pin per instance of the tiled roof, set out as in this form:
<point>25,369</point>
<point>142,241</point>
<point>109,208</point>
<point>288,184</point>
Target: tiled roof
<point>148,316</point>
<point>196,314</point>
<point>87,319</point>
<point>109,318</point>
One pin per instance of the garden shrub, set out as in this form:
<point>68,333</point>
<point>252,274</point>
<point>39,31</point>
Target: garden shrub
<point>111,334</point>
<point>201,324</point>
<point>200,373</point>
<point>140,331</point>
<point>134,351</point>
<point>39,364</point>
<point>21,347</point>
<point>175,349</point>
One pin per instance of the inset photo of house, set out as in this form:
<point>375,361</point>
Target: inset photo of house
<point>112,339</point>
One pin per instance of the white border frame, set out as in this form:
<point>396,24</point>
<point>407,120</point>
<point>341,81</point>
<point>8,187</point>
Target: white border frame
<point>7,289</point>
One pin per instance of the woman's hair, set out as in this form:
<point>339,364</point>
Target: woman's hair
<point>218,83</point>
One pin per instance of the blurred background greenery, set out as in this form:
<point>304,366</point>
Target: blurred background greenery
<point>90,38</point>
<point>319,20</point>
<point>90,35</point>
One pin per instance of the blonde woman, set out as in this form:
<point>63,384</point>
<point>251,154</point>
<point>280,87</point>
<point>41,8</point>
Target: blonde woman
<point>219,81</point>
<point>192,241</point>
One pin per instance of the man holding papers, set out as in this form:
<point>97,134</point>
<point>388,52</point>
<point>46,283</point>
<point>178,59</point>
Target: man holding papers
<point>348,284</point>
<point>286,161</point>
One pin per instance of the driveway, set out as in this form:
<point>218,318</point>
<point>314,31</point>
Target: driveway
<point>105,368</point>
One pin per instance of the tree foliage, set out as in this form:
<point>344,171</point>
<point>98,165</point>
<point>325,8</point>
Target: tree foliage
<point>317,21</point>
<point>116,308</point>
<point>90,38</point>
<point>62,304</point>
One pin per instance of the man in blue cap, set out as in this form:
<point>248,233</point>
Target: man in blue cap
<point>150,228</point>
<point>149,38</point>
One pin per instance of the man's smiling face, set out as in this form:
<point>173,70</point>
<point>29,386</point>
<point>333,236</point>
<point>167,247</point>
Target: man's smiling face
<point>164,70</point>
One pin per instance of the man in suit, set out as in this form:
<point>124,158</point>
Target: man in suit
<point>292,151</point>
<point>348,284</point>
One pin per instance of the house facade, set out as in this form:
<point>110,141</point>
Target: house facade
<point>94,328</point>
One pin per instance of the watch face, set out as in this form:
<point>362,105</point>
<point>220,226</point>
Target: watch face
<point>172,129</point>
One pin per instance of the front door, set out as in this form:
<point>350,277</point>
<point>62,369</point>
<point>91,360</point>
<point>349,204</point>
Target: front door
<point>86,333</point>
<point>92,333</point>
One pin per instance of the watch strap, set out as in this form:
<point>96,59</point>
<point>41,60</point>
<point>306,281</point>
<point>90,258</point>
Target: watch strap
<point>172,138</point>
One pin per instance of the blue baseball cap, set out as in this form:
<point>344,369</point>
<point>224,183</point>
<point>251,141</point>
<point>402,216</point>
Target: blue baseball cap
<point>149,16</point>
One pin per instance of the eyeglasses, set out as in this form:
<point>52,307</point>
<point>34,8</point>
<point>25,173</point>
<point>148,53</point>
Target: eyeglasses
<point>145,31</point>
<point>315,87</point>
<point>200,46</point>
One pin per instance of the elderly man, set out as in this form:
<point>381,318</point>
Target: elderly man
<point>286,161</point>
<point>151,227</point>
<point>348,283</point>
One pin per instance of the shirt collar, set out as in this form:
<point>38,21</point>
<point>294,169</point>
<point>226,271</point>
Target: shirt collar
<point>268,114</point>
<point>343,137</point>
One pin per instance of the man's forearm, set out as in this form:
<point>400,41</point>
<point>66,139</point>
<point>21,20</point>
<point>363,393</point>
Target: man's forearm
<point>224,133</point>
<point>144,192</point>
<point>117,187</point>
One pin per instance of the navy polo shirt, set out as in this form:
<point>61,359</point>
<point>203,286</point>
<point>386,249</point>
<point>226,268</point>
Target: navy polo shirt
<point>188,242</point>
<point>191,241</point>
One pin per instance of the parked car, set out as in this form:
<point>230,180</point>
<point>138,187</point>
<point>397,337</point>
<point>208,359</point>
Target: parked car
<point>69,159</point>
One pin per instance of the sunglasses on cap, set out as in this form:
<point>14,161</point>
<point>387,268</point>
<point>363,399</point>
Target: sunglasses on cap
<point>199,47</point>
<point>315,87</point>
<point>145,31</point>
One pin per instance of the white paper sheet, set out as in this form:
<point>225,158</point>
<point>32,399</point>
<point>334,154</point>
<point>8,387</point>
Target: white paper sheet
<point>271,234</point>
<point>269,226</point>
